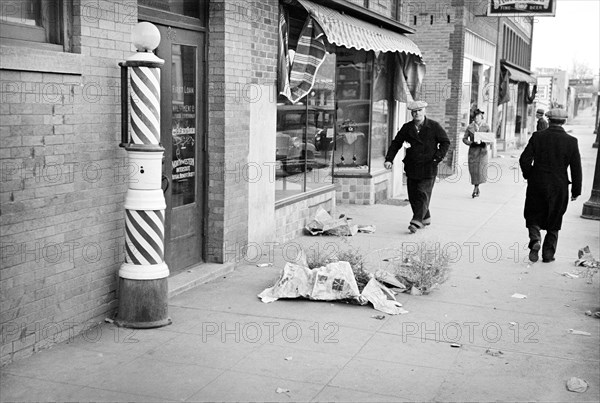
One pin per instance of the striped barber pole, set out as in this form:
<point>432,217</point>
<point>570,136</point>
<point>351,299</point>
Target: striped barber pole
<point>144,236</point>
<point>145,105</point>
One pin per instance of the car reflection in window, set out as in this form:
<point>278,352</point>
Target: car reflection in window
<point>292,153</point>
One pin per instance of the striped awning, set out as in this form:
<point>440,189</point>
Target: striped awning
<point>344,30</point>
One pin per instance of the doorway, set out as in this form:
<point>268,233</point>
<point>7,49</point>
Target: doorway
<point>182,136</point>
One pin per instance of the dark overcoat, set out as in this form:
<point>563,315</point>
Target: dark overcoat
<point>428,147</point>
<point>544,164</point>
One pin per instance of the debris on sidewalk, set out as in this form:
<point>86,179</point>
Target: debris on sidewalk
<point>569,275</point>
<point>367,229</point>
<point>456,345</point>
<point>325,224</point>
<point>264,265</point>
<point>335,281</point>
<point>290,358</point>
<point>519,296</point>
<point>588,262</point>
<point>577,385</point>
<point>496,353</point>
<point>378,317</point>
<point>382,298</point>
<point>282,390</point>
<point>579,332</point>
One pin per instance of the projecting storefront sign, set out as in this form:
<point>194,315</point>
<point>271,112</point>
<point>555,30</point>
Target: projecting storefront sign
<point>581,81</point>
<point>498,8</point>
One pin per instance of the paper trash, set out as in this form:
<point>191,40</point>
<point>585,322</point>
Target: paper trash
<point>334,281</point>
<point>577,385</point>
<point>295,281</point>
<point>382,298</point>
<point>325,224</point>
<point>586,259</point>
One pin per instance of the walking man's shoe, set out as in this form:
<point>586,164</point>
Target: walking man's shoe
<point>412,228</point>
<point>548,260</point>
<point>533,252</point>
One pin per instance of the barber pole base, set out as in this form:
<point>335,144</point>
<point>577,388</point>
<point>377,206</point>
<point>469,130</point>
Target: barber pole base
<point>143,303</point>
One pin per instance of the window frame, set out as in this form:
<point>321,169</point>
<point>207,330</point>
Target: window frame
<point>41,36</point>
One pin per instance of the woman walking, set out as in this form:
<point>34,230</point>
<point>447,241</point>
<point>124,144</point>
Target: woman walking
<point>478,155</point>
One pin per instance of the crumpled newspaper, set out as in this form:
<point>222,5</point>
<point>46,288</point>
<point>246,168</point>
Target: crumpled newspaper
<point>577,385</point>
<point>335,281</point>
<point>325,224</point>
<point>382,298</point>
<point>586,259</point>
<point>589,264</point>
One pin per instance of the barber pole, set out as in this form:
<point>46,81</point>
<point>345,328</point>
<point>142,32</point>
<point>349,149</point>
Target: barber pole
<point>143,286</point>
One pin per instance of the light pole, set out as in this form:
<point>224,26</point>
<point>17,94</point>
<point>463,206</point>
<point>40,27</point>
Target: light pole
<point>591,208</point>
<point>143,286</point>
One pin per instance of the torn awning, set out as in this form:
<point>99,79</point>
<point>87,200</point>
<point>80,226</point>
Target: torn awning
<point>516,75</point>
<point>350,32</point>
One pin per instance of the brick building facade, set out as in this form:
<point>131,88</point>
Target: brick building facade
<point>64,176</point>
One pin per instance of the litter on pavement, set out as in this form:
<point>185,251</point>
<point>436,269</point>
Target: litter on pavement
<point>579,332</point>
<point>520,296</point>
<point>589,264</point>
<point>577,385</point>
<point>335,281</point>
<point>324,224</point>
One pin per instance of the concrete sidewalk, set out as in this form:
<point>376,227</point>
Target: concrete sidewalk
<point>226,345</point>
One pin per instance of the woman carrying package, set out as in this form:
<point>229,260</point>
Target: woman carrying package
<point>478,154</point>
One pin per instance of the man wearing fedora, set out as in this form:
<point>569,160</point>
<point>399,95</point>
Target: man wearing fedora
<point>426,146</point>
<point>544,164</point>
<point>542,124</point>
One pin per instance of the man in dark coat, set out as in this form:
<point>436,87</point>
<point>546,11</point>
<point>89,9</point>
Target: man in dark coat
<point>426,146</point>
<point>542,124</point>
<point>544,163</point>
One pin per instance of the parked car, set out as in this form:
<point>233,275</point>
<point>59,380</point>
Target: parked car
<point>300,141</point>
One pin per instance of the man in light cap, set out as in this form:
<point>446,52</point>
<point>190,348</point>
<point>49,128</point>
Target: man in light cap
<point>544,163</point>
<point>542,124</point>
<point>427,145</point>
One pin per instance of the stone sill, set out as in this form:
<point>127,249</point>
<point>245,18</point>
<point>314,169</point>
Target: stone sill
<point>41,58</point>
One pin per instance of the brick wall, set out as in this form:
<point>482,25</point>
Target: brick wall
<point>291,219</point>
<point>440,31</point>
<point>62,187</point>
<point>229,75</point>
<point>362,190</point>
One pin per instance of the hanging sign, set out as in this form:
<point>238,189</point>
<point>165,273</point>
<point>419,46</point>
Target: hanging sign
<point>512,8</point>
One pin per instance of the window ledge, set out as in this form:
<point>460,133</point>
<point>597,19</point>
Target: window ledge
<point>303,196</point>
<point>39,59</point>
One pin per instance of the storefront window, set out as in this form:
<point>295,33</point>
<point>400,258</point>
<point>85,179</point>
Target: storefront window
<point>188,8</point>
<point>354,90</point>
<point>305,137</point>
<point>382,93</point>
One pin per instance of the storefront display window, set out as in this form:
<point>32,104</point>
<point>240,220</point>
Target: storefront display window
<point>305,137</point>
<point>354,88</point>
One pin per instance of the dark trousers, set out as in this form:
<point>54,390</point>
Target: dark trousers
<point>419,195</point>
<point>549,244</point>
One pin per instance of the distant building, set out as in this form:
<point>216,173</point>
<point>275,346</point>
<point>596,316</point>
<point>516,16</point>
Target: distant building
<point>553,89</point>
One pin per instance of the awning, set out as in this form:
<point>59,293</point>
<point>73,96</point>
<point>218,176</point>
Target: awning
<point>350,32</point>
<point>516,75</point>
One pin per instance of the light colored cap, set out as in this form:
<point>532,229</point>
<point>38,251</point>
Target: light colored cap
<point>414,105</point>
<point>557,113</point>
